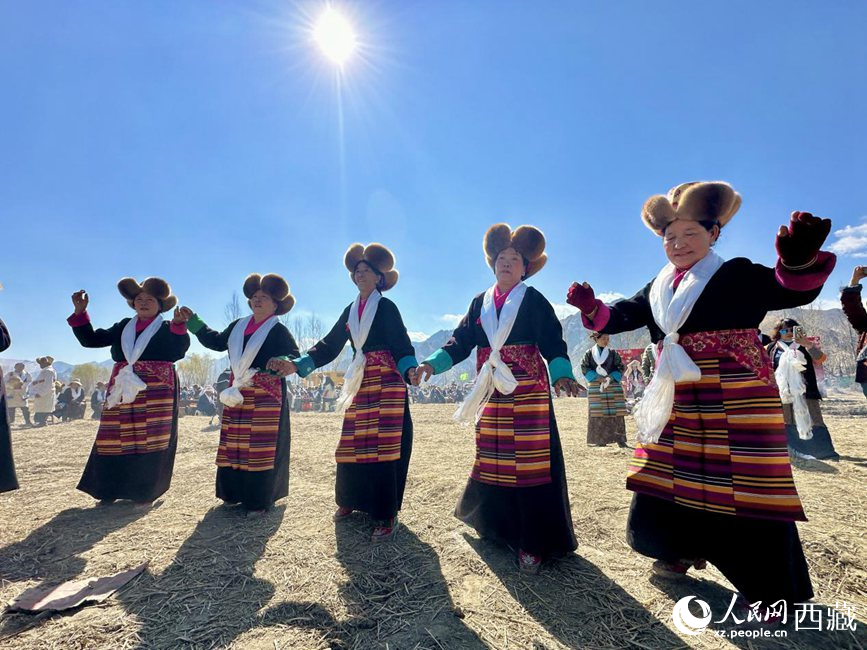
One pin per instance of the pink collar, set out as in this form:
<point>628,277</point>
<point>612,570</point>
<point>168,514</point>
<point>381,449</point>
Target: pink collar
<point>679,275</point>
<point>361,305</point>
<point>252,326</point>
<point>500,298</point>
<point>142,325</point>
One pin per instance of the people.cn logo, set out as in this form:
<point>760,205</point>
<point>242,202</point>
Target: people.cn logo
<point>685,621</point>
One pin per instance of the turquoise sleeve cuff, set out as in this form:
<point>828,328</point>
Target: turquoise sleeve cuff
<point>405,364</point>
<point>616,376</point>
<point>195,324</point>
<point>591,375</point>
<point>440,361</point>
<point>305,365</point>
<point>559,368</point>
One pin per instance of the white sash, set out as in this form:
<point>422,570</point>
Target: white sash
<point>600,357</point>
<point>790,381</point>
<point>127,384</point>
<point>494,373</point>
<point>241,358</point>
<point>359,328</point>
<point>671,309</point>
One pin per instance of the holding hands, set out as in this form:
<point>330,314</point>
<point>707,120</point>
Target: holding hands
<point>422,373</point>
<point>80,300</point>
<point>182,314</point>
<point>282,367</point>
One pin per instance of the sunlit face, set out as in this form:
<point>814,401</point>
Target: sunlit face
<point>687,242</point>
<point>146,306</point>
<point>262,305</point>
<point>509,267</point>
<point>787,333</point>
<point>602,341</point>
<point>365,278</point>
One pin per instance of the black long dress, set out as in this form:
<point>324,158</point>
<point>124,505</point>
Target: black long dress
<point>376,488</point>
<point>756,545</point>
<point>255,490</point>
<point>537,518</point>
<point>141,475</point>
<point>8,480</point>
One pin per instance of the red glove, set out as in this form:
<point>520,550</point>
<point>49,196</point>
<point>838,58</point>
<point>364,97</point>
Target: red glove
<point>582,297</point>
<point>798,245</point>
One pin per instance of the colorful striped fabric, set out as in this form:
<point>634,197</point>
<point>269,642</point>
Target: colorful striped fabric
<point>144,426</point>
<point>248,436</point>
<point>373,423</point>
<point>607,403</point>
<point>724,449</point>
<point>513,437</point>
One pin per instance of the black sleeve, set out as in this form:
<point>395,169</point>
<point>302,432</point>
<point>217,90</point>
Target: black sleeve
<point>332,344</point>
<point>548,330</point>
<point>586,361</point>
<point>214,340</point>
<point>285,344</point>
<point>396,334</point>
<point>179,343</point>
<point>98,338</point>
<point>761,281</point>
<point>629,314</point>
<point>5,339</point>
<point>463,339</point>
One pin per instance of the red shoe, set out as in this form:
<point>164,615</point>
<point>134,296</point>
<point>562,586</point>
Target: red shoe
<point>671,570</point>
<point>342,513</point>
<point>385,532</point>
<point>529,563</point>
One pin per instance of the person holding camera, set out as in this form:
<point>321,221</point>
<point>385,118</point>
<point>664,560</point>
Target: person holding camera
<point>853,307</point>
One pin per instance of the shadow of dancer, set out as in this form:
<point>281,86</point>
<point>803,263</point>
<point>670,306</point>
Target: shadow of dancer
<point>396,596</point>
<point>208,595</point>
<point>576,603</point>
<point>52,553</point>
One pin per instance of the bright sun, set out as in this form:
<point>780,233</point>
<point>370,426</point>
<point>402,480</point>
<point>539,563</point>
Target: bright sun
<point>335,36</point>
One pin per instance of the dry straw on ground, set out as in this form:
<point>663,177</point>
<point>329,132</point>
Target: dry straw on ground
<point>295,580</point>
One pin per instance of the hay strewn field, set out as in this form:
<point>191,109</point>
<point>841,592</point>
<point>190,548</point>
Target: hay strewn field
<point>293,580</point>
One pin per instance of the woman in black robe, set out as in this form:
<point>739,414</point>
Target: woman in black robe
<point>711,472</point>
<point>8,480</point>
<point>376,440</point>
<point>516,492</point>
<point>134,452</point>
<point>253,456</point>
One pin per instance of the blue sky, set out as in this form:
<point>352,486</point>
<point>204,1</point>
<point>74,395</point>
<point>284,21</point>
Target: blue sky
<point>201,141</point>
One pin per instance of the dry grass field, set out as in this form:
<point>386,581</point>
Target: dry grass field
<point>293,580</point>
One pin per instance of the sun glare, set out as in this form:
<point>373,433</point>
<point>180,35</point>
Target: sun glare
<point>335,36</point>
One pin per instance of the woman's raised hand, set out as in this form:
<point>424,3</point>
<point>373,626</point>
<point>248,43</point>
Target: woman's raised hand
<point>422,373</point>
<point>183,314</point>
<point>80,300</point>
<point>799,243</point>
<point>858,274</point>
<point>582,297</point>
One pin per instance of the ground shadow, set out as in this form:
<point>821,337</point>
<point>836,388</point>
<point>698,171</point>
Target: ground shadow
<point>396,595</point>
<point>575,602</point>
<point>208,595</point>
<point>52,553</point>
<point>752,636</point>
